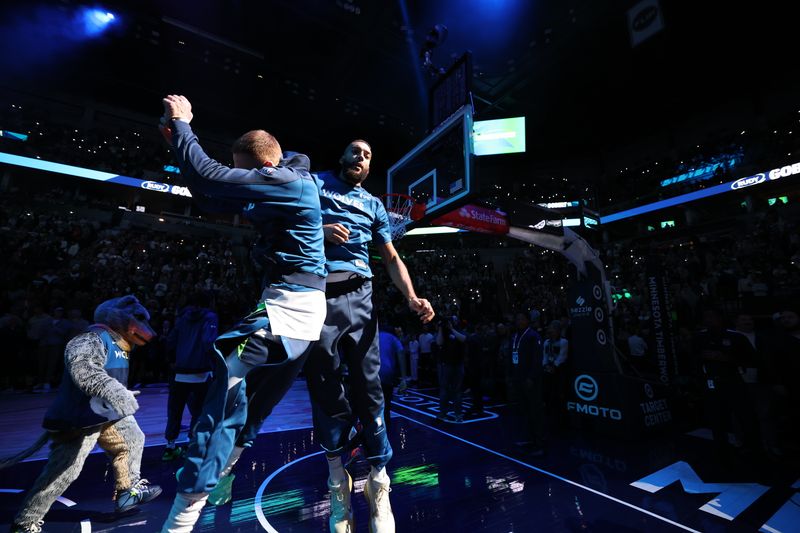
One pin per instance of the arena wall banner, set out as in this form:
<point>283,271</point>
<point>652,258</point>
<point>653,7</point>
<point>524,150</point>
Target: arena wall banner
<point>742,183</point>
<point>590,343</point>
<point>80,172</point>
<point>617,405</point>
<point>661,352</point>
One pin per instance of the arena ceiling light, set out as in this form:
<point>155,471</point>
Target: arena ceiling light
<point>433,230</point>
<point>96,21</point>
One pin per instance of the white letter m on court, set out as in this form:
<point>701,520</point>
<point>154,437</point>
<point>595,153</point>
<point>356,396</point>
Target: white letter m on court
<point>732,500</point>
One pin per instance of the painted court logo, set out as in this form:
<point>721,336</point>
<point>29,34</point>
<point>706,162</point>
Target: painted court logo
<point>586,387</point>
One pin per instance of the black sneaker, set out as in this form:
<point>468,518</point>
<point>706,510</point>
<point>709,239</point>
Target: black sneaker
<point>30,528</point>
<point>170,454</point>
<point>141,492</point>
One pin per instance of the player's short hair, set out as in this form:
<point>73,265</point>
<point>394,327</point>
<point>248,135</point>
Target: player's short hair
<point>360,141</point>
<point>259,144</point>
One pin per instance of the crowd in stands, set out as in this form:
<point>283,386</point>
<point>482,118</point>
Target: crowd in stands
<point>740,153</point>
<point>57,267</point>
<point>748,277</point>
<point>137,151</point>
<point>451,280</point>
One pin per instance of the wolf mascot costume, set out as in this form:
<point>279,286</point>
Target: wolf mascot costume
<point>93,406</point>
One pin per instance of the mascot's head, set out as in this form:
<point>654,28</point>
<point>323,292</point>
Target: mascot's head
<point>127,317</point>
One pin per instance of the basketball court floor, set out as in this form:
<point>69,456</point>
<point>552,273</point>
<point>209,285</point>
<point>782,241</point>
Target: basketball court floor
<point>446,477</point>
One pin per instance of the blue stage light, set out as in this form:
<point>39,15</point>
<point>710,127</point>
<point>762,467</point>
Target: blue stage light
<point>95,21</point>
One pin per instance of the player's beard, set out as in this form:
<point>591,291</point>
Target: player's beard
<point>352,175</point>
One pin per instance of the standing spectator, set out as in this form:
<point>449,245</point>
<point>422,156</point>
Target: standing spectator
<point>157,354</point>
<point>526,383</point>
<point>555,351</point>
<point>190,341</point>
<point>721,355</point>
<point>636,344</point>
<point>451,377</point>
<point>393,368</point>
<point>479,355</point>
<point>535,322</point>
<point>502,362</point>
<point>12,338</point>
<point>413,354</point>
<point>78,324</point>
<point>429,366</point>
<point>51,348</point>
<point>758,383</point>
<point>787,368</point>
<point>37,326</point>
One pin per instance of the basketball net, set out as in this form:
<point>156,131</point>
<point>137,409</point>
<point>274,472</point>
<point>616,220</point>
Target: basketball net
<point>402,210</point>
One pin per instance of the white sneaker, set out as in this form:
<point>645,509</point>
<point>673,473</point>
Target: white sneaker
<point>341,520</point>
<point>381,519</point>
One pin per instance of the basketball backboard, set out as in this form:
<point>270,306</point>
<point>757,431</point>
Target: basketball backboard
<point>439,170</point>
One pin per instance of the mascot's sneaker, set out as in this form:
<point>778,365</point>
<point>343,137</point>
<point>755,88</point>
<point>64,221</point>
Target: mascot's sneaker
<point>141,492</point>
<point>341,520</point>
<point>381,519</point>
<point>222,493</point>
<point>30,528</point>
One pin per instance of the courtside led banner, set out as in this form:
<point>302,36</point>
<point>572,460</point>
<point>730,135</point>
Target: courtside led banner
<point>736,185</point>
<point>475,218</point>
<point>79,172</point>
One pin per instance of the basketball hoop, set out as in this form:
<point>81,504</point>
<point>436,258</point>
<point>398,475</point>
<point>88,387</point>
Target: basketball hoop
<point>402,210</point>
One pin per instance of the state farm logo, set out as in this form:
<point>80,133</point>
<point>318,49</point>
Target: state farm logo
<point>586,387</point>
<point>482,215</point>
<point>581,300</point>
<point>748,182</point>
<point>155,186</point>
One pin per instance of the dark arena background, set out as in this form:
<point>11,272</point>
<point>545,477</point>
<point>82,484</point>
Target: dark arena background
<point>622,177</point>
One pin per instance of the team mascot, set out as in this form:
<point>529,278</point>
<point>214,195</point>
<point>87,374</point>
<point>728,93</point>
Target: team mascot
<point>93,406</point>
